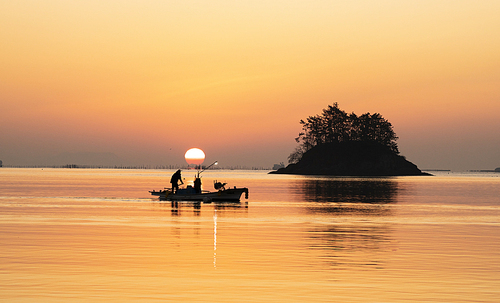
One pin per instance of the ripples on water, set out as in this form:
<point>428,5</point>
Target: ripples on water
<point>96,235</point>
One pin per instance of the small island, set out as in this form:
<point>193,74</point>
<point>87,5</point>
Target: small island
<point>339,144</point>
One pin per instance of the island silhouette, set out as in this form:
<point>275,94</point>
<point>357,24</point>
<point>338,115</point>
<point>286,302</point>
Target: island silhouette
<point>341,144</point>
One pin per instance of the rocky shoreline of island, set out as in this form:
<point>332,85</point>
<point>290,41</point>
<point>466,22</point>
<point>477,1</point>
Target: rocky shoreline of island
<point>352,158</point>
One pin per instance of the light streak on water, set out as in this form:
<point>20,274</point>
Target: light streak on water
<point>215,238</point>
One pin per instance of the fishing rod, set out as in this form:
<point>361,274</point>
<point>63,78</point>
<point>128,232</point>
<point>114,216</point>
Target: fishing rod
<point>215,163</point>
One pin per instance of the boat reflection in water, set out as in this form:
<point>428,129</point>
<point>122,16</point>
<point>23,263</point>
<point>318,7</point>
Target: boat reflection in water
<point>194,209</point>
<point>177,208</point>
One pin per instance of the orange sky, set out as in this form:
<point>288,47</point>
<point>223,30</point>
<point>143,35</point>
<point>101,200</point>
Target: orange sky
<point>149,80</point>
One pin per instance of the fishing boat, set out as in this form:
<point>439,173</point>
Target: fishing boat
<point>190,193</point>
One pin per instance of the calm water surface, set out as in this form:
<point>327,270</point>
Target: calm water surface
<point>80,235</point>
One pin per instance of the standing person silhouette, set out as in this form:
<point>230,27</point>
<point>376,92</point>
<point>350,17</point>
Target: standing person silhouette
<point>176,177</point>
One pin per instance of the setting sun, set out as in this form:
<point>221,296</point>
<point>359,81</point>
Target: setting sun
<point>194,156</point>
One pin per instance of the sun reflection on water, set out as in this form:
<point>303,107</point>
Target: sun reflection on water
<point>215,238</point>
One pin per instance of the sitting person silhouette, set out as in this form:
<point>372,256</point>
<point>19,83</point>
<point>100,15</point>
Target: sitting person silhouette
<point>197,185</point>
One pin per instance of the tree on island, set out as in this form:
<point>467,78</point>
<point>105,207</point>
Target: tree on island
<point>335,126</point>
<point>336,143</point>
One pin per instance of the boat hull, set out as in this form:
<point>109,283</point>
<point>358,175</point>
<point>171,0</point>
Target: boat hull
<point>228,195</point>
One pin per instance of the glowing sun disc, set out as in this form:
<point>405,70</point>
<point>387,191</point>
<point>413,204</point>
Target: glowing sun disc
<point>194,156</point>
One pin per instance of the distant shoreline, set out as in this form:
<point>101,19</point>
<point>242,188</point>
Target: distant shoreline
<point>171,167</point>
<point>75,166</point>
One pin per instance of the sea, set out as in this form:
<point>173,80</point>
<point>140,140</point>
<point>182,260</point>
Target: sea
<point>97,235</point>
